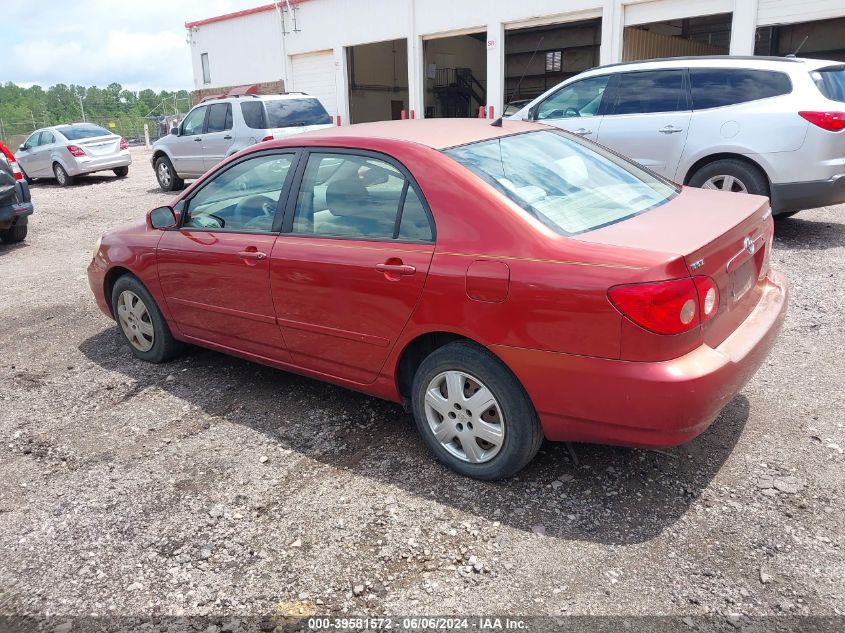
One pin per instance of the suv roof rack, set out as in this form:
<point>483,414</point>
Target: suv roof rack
<point>238,91</point>
<point>763,58</point>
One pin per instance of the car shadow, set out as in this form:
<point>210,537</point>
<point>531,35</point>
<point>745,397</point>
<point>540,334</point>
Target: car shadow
<point>796,233</point>
<point>79,181</point>
<point>584,492</point>
<point>5,249</point>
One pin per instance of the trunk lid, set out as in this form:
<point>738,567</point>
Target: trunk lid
<point>726,236</point>
<point>99,145</point>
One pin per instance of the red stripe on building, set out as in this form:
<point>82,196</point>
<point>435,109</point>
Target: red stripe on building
<point>240,14</point>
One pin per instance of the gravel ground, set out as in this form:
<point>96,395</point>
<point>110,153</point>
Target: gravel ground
<point>213,487</point>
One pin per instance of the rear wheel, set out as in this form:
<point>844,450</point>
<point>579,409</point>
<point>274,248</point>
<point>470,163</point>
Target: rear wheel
<point>62,177</point>
<point>14,234</point>
<point>121,172</point>
<point>731,175</point>
<point>166,175</point>
<point>473,413</point>
<point>141,321</point>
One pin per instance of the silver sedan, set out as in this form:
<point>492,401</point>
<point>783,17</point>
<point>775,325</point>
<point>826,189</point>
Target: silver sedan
<point>65,151</point>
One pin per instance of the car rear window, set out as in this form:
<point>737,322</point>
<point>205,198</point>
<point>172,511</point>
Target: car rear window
<point>716,87</point>
<point>77,132</point>
<point>568,185</point>
<point>261,115</point>
<point>831,82</point>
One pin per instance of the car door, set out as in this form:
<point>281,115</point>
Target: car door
<point>42,154</point>
<point>217,139</point>
<point>351,261</point>
<point>26,155</point>
<point>215,267</point>
<point>576,107</point>
<point>187,152</point>
<point>648,118</point>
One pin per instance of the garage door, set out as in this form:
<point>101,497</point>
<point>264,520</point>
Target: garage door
<point>314,73</point>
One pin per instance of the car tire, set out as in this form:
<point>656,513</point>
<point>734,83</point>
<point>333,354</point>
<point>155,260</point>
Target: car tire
<point>166,175</point>
<point>731,175</point>
<point>62,177</point>
<point>14,234</point>
<point>141,322</point>
<point>508,417</point>
<point>121,172</point>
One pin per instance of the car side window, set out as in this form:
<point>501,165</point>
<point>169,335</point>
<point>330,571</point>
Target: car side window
<point>253,113</point>
<point>579,99</point>
<point>194,121</point>
<point>650,91</point>
<point>346,195</point>
<point>242,198</point>
<point>716,87</point>
<point>32,141</point>
<point>47,138</point>
<point>219,117</point>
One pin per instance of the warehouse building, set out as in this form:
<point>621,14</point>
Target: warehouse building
<point>370,60</point>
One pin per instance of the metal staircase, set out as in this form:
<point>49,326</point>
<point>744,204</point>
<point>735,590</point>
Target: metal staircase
<point>456,90</point>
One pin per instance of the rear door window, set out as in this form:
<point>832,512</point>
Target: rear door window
<point>219,117</point>
<point>47,138</point>
<point>831,82</point>
<point>650,91</point>
<point>253,113</point>
<point>716,87</point>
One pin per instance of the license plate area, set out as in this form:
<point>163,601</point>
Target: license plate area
<point>742,279</point>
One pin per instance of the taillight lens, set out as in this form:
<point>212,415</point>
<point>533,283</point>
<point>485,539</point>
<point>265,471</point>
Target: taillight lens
<point>267,138</point>
<point>75,150</point>
<point>708,297</point>
<point>663,307</point>
<point>123,144</point>
<point>13,163</point>
<point>830,121</point>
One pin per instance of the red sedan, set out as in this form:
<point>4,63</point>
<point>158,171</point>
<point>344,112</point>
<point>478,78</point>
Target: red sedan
<point>506,283</point>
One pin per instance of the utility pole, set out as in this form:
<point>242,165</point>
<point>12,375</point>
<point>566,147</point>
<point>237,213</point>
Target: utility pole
<point>34,127</point>
<point>81,107</point>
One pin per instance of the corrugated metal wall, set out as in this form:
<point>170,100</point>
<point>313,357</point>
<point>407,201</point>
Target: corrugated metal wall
<point>640,44</point>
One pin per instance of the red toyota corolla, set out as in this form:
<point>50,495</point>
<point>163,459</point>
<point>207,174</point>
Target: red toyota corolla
<point>506,283</point>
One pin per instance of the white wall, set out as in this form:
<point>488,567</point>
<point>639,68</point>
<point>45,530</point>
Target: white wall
<point>249,48</point>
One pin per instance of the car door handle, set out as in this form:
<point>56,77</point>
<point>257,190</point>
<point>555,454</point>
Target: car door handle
<point>198,140</point>
<point>582,131</point>
<point>252,255</point>
<point>396,269</point>
<point>670,129</point>
<point>228,137</point>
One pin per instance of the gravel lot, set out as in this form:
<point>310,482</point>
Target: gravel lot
<point>213,487</point>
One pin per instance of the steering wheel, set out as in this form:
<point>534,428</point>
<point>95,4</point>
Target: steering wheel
<point>254,207</point>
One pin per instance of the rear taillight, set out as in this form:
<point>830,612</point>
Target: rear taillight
<point>830,121</point>
<point>708,297</point>
<point>663,307</point>
<point>75,150</point>
<point>267,138</point>
<point>123,144</point>
<point>13,163</point>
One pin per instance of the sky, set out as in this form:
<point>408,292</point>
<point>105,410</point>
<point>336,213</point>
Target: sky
<point>136,43</point>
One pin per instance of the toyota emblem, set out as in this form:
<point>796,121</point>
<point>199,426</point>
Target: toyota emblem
<point>748,244</point>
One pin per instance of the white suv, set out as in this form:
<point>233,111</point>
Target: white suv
<point>219,126</point>
<point>773,126</point>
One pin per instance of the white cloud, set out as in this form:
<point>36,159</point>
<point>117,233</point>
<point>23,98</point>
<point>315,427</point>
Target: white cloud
<point>136,43</point>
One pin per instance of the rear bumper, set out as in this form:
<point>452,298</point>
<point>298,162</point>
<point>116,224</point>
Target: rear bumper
<point>91,164</point>
<point>795,196</point>
<point>18,212</point>
<point>664,403</point>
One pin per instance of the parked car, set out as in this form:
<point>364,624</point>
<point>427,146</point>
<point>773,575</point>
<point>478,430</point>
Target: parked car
<point>515,106</point>
<point>220,126</point>
<point>15,202</point>
<point>66,151</point>
<point>507,283</point>
<point>771,126</point>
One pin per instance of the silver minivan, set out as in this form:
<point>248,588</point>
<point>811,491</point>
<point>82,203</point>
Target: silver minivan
<point>220,126</point>
<point>773,126</point>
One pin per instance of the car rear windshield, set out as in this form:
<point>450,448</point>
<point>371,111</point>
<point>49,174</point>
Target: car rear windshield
<point>262,115</point>
<point>566,184</point>
<point>831,82</point>
<point>77,132</point>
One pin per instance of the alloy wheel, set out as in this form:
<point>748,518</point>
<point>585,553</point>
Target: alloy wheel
<point>464,416</point>
<point>135,321</point>
<point>164,176</point>
<point>725,182</point>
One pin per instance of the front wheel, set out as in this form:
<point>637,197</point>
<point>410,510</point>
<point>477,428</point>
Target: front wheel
<point>62,177</point>
<point>14,234</point>
<point>473,413</point>
<point>166,175</point>
<point>141,321</point>
<point>121,172</point>
<point>731,175</point>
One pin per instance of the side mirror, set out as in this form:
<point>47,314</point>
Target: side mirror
<point>22,148</point>
<point>174,131</point>
<point>162,218</point>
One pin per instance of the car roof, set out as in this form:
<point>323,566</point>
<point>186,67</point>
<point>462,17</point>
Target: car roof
<point>718,61</point>
<point>434,133</point>
<point>250,97</point>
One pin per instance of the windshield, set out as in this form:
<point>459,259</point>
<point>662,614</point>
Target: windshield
<point>292,113</point>
<point>567,185</point>
<point>77,132</point>
<point>830,82</point>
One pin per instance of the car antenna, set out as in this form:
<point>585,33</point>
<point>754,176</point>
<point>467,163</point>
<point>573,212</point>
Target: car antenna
<point>497,122</point>
<point>800,46</point>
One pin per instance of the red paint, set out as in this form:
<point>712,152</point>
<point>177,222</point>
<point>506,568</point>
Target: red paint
<point>239,14</point>
<point>337,120</point>
<point>413,115</point>
<point>490,112</point>
<point>344,310</point>
<point>402,115</point>
<point>480,112</point>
